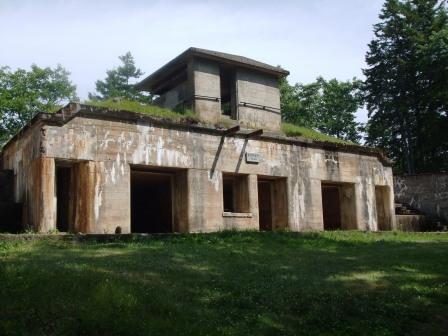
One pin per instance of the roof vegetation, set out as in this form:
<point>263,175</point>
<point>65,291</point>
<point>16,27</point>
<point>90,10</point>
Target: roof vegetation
<point>288,129</point>
<point>134,106</point>
<point>292,130</point>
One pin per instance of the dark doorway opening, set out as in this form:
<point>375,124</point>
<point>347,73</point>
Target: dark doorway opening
<point>272,203</point>
<point>63,197</point>
<point>382,196</point>
<point>265,204</point>
<point>331,207</point>
<point>151,202</point>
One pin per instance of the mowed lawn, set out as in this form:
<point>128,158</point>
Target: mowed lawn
<point>249,283</point>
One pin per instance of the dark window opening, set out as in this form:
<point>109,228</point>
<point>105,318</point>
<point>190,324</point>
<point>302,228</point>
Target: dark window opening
<point>63,191</point>
<point>331,207</point>
<point>235,193</point>
<point>227,87</point>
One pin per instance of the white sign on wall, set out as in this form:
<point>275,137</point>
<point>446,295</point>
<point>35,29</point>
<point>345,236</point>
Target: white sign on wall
<point>253,158</point>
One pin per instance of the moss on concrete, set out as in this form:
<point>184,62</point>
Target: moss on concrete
<point>296,130</point>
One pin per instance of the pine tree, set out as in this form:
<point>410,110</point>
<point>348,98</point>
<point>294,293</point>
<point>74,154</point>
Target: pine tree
<point>407,83</point>
<point>117,83</point>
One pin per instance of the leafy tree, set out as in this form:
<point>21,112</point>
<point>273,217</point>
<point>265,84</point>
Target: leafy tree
<point>406,87</point>
<point>328,106</point>
<point>25,93</point>
<point>117,83</point>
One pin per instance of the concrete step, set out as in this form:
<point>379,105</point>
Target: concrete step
<point>402,209</point>
<point>411,223</point>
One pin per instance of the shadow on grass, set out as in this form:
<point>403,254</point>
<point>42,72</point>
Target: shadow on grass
<point>228,283</point>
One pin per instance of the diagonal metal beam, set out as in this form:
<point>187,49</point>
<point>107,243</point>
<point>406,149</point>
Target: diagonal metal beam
<point>254,133</point>
<point>231,130</point>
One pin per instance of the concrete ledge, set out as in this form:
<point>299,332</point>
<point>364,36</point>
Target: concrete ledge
<point>237,214</point>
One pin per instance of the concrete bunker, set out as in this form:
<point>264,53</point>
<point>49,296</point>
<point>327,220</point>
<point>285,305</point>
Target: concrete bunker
<point>338,206</point>
<point>272,203</point>
<point>383,213</point>
<point>166,174</point>
<point>158,200</point>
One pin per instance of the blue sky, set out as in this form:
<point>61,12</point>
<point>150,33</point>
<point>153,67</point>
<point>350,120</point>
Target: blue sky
<point>308,38</point>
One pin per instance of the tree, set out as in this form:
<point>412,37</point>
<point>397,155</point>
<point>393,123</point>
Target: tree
<point>25,93</point>
<point>328,106</point>
<point>117,83</point>
<point>406,86</point>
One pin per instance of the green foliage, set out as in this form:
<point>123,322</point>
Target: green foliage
<point>230,283</point>
<point>24,93</point>
<point>328,106</point>
<point>406,85</point>
<point>117,83</point>
<point>139,107</point>
<point>301,131</point>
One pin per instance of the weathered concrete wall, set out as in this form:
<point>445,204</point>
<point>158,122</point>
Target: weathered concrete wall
<point>22,156</point>
<point>172,98</point>
<point>206,83</point>
<point>112,147</point>
<point>257,98</point>
<point>255,91</point>
<point>425,192</point>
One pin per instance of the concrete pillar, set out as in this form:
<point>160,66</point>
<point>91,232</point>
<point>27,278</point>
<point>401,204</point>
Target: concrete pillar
<point>84,198</point>
<point>206,89</point>
<point>205,201</point>
<point>41,200</point>
<point>253,200</point>
<point>314,220</point>
<point>280,204</point>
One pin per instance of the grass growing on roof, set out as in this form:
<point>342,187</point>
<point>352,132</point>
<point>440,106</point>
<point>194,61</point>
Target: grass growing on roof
<point>134,106</point>
<point>156,111</point>
<point>296,130</point>
<point>229,283</point>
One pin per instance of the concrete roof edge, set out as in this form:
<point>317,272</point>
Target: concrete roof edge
<point>210,54</point>
<point>74,110</point>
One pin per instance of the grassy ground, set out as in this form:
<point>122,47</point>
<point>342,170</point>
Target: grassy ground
<point>346,283</point>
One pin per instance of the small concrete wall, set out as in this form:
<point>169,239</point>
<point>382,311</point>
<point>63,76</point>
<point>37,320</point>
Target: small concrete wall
<point>206,83</point>
<point>258,100</point>
<point>411,223</point>
<point>172,98</point>
<point>427,193</point>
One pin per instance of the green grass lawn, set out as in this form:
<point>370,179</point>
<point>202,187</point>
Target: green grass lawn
<point>346,283</point>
